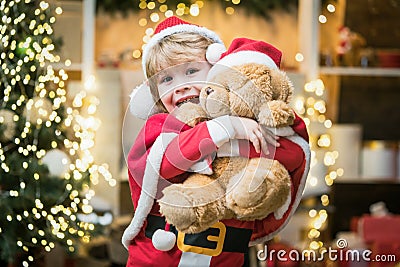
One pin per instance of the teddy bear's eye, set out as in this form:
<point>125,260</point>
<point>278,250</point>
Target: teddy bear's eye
<point>209,90</point>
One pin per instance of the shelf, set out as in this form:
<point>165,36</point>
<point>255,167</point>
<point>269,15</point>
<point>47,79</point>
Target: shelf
<point>358,71</point>
<point>72,67</point>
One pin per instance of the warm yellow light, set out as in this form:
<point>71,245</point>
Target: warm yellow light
<point>142,5</point>
<point>136,54</point>
<point>142,22</point>
<point>194,10</point>
<point>43,5</point>
<point>154,17</point>
<point>230,10</point>
<point>331,8</point>
<point>312,213</point>
<point>151,5</point>
<point>149,31</point>
<point>313,181</point>
<point>59,10</point>
<point>169,13</point>
<point>299,57</point>
<point>328,124</point>
<point>200,4</point>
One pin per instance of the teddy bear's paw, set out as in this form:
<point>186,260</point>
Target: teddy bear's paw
<point>190,114</point>
<point>246,189</point>
<point>260,190</point>
<point>177,208</point>
<point>192,209</point>
<point>276,114</point>
<point>282,113</point>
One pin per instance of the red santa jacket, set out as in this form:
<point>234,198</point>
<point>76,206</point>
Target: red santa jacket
<point>189,146</point>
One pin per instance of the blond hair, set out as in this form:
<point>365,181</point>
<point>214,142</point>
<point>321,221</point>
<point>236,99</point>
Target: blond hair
<point>174,49</point>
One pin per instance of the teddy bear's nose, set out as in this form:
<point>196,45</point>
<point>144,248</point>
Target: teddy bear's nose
<point>209,90</point>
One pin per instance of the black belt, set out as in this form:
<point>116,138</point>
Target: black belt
<point>236,239</point>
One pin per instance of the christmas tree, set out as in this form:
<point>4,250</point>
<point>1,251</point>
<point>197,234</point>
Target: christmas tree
<point>46,166</point>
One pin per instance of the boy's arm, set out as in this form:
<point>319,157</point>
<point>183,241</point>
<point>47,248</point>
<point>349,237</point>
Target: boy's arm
<point>195,144</point>
<point>190,146</point>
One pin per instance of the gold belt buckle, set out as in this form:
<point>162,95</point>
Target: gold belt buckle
<point>219,239</point>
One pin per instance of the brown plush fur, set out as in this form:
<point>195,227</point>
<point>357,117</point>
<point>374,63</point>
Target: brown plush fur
<point>241,188</point>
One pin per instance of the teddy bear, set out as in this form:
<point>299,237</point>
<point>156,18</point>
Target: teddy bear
<point>239,187</point>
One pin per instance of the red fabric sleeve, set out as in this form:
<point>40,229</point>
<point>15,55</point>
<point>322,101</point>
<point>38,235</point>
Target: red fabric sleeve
<point>191,145</point>
<point>185,150</point>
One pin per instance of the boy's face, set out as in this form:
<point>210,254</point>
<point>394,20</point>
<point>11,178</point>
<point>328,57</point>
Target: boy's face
<point>181,83</point>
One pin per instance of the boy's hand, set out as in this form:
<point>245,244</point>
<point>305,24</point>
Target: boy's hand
<point>270,136</point>
<point>250,130</point>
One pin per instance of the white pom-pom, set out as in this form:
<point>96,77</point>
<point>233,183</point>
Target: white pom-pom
<point>214,52</point>
<point>163,240</point>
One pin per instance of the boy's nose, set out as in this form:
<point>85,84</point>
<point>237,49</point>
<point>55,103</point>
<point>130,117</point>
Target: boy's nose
<point>182,88</point>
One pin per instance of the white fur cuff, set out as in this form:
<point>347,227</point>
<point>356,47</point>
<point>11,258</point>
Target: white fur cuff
<point>221,130</point>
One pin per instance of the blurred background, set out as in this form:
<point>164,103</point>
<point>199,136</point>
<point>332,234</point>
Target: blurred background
<point>342,56</point>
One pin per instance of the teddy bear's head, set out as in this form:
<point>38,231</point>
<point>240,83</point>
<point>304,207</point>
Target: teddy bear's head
<point>250,90</point>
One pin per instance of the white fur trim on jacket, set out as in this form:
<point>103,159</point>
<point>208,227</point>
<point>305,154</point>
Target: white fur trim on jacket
<point>176,29</point>
<point>307,154</point>
<point>221,130</point>
<point>149,187</point>
<point>278,214</point>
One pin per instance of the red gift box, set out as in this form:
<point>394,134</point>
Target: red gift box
<point>383,236</point>
<point>379,229</point>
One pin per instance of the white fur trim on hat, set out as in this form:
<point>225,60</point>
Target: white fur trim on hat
<point>177,29</point>
<point>240,58</point>
<point>149,187</point>
<point>142,104</point>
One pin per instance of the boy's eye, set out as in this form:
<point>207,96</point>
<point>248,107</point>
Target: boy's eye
<point>166,79</point>
<point>191,71</point>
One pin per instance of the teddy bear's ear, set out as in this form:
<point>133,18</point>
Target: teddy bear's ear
<point>281,85</point>
<point>260,76</point>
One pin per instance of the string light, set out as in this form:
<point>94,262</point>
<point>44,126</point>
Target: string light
<point>322,19</point>
<point>156,10</point>
<point>311,105</point>
<point>331,8</point>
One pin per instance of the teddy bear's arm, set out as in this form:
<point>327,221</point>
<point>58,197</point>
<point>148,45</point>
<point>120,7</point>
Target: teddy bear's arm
<point>276,113</point>
<point>190,114</point>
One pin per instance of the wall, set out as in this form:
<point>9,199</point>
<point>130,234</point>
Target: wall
<point>116,34</point>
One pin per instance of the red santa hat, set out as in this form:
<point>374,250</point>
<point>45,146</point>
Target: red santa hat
<point>142,103</point>
<point>174,25</point>
<point>244,50</point>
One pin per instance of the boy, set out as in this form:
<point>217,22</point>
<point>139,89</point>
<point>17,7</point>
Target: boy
<point>176,42</point>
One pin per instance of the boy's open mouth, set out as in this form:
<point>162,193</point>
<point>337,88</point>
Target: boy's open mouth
<point>192,99</point>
